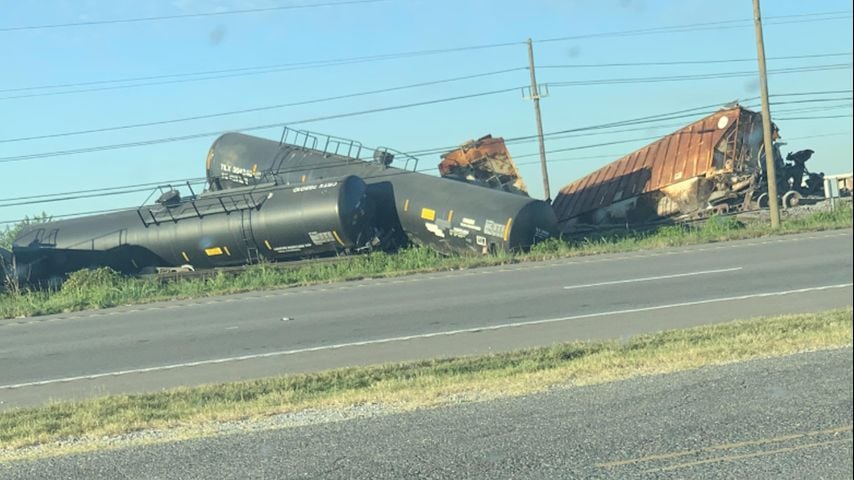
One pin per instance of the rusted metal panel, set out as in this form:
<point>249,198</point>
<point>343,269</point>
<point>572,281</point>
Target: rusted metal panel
<point>484,161</point>
<point>685,154</point>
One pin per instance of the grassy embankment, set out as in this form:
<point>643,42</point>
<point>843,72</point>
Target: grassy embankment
<point>194,411</point>
<point>103,288</point>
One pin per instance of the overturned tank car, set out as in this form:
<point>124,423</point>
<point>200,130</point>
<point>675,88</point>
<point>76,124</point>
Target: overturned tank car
<point>213,229</point>
<point>304,196</point>
<point>411,207</point>
<point>714,165</point>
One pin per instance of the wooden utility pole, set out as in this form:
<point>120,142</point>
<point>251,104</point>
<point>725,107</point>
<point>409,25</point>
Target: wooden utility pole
<point>770,168</point>
<point>535,96</point>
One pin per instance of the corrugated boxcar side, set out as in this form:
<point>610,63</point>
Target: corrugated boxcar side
<point>684,154</point>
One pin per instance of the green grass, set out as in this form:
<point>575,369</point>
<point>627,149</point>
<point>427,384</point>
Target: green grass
<point>188,412</point>
<point>103,288</point>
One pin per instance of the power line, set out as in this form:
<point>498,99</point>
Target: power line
<point>689,112</point>
<point>77,214</point>
<point>818,117</point>
<point>252,128</point>
<point>813,109</point>
<point>572,159</point>
<point>133,188</point>
<point>703,76</point>
<point>719,25</point>
<point>592,145</point>
<point>816,100</point>
<point>645,138</point>
<point>832,134</point>
<point>299,103</point>
<point>690,62</point>
<point>97,192</point>
<point>263,108</point>
<point>617,156</point>
<point>822,92</point>
<point>77,197</point>
<point>160,183</point>
<point>414,153</point>
<point>106,189</point>
<point>186,15</point>
<point>284,67</point>
<point>551,160</point>
<point>264,69</point>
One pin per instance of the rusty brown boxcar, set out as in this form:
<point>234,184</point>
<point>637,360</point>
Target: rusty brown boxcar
<point>713,164</point>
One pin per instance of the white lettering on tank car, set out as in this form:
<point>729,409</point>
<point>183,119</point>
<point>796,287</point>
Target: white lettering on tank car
<point>459,232</point>
<point>493,228</point>
<point>291,248</point>
<point>319,238</point>
<point>434,229</point>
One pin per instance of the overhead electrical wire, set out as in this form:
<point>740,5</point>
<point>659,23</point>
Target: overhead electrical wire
<point>521,164</point>
<point>297,66</point>
<point>817,117</point>
<point>265,107</point>
<point>783,118</point>
<point>679,114</point>
<point>687,62</point>
<point>244,11</point>
<point>78,197</point>
<point>572,159</point>
<point>67,215</point>
<point>249,71</point>
<point>772,19</point>
<point>719,25</point>
<point>104,189</point>
<point>617,156</point>
<point>78,194</point>
<point>404,87</point>
<point>822,108</point>
<point>344,115</point>
<point>94,192</point>
<point>252,128</point>
<point>701,76</point>
<point>592,145</point>
<point>360,59</point>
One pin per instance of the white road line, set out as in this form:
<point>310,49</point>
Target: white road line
<point>419,336</point>
<point>659,277</point>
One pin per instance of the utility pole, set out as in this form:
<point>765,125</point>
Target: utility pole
<point>535,96</point>
<point>770,169</point>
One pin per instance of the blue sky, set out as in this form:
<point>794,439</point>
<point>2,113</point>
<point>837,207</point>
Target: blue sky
<point>94,53</point>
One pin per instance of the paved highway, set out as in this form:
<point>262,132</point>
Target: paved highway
<point>143,348</point>
<point>786,417</point>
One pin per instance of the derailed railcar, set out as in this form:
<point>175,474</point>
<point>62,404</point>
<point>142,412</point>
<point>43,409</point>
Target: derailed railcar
<point>269,200</point>
<point>713,165</point>
<point>214,229</point>
<point>443,214</point>
<point>485,161</point>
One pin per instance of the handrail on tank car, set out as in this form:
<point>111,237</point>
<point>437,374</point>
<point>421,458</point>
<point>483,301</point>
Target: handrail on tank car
<point>339,144</point>
<point>331,145</point>
<point>336,145</point>
<point>306,136</point>
<point>168,188</point>
<point>397,154</point>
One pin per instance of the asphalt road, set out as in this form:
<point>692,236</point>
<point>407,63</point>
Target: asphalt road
<point>143,348</point>
<point>786,417</point>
